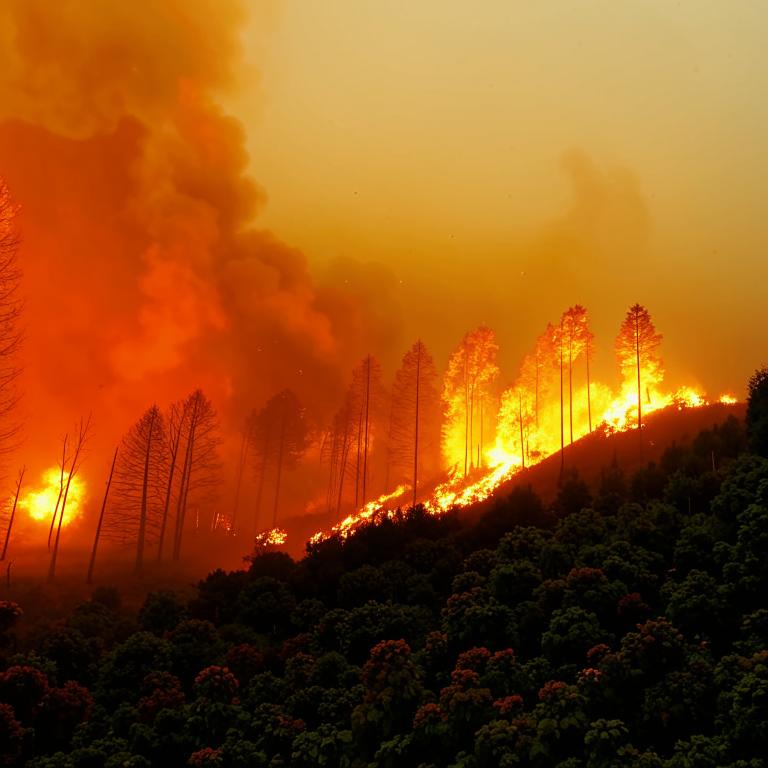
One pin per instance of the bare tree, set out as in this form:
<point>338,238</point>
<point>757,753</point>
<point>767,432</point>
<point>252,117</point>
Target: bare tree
<point>636,351</point>
<point>279,436</point>
<point>19,481</point>
<point>200,469</point>
<point>414,414</point>
<point>100,523</point>
<point>140,482</point>
<point>70,466</point>
<point>176,423</point>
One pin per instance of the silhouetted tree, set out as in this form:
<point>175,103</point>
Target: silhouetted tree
<point>140,480</point>
<point>415,414</point>
<point>100,522</point>
<point>636,351</point>
<point>278,436</point>
<point>757,411</point>
<point>354,430</point>
<point>12,514</point>
<point>176,421</point>
<point>70,466</point>
<point>200,468</point>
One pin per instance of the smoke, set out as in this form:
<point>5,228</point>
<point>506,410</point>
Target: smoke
<point>144,273</point>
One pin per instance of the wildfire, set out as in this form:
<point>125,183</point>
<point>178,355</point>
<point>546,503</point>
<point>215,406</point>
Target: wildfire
<point>41,503</point>
<point>373,510</point>
<point>274,537</point>
<point>553,403</point>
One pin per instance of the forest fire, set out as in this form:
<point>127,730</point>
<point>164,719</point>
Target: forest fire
<point>41,504</point>
<point>488,437</point>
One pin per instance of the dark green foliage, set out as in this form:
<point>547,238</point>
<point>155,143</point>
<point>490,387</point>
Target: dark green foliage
<point>757,412</point>
<point>628,630</point>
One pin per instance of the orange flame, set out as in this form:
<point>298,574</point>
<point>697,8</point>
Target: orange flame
<point>40,504</point>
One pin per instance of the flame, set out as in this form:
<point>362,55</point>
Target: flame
<point>274,537</point>
<point>40,504</point>
<point>727,399</point>
<point>373,510</point>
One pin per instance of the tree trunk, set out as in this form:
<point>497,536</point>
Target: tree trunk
<point>61,491</point>
<point>589,392</point>
<point>280,450</point>
<point>367,425</point>
<point>416,424</point>
<point>239,482</point>
<point>89,577</point>
<point>570,384</point>
<point>637,356</point>
<point>562,429</point>
<point>144,494</point>
<point>169,489</point>
<point>181,507</point>
<point>13,513</point>
<point>520,419</point>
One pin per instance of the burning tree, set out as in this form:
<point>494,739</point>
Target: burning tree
<point>10,313</point>
<point>577,340</point>
<point>415,413</point>
<point>200,466</point>
<point>636,353</point>
<point>278,438</point>
<point>140,480</point>
<point>466,394</point>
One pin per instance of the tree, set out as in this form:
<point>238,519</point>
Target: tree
<point>471,370</point>
<point>10,314</point>
<point>70,466</point>
<point>140,479</point>
<point>636,352</point>
<point>177,418</point>
<point>757,411</point>
<point>200,468</point>
<point>278,439</point>
<point>12,515</point>
<point>415,416</point>
<point>100,523</point>
<point>353,433</point>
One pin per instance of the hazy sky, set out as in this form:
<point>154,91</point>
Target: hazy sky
<point>505,159</point>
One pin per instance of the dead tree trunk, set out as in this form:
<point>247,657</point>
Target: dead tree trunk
<point>92,563</point>
<point>83,433</point>
<point>13,513</point>
<point>144,494</point>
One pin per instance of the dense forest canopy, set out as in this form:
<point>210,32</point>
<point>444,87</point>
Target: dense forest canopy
<point>623,625</point>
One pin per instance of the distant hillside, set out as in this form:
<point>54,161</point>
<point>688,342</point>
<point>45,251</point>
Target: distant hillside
<point>587,456</point>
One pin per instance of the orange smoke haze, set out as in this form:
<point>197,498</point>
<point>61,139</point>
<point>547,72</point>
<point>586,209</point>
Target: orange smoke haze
<point>124,137</point>
<point>144,273</point>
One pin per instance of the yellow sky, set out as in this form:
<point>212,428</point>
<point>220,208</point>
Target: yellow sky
<point>504,159</point>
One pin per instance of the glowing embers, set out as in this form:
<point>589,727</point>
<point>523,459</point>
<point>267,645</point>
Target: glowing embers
<point>40,504</point>
<point>274,537</point>
<point>372,511</point>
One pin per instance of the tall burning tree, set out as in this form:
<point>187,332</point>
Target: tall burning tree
<point>472,369</point>
<point>414,429</point>
<point>636,347</point>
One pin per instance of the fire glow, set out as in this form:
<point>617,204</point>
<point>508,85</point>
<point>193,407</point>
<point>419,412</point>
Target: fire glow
<point>552,404</point>
<point>39,504</point>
